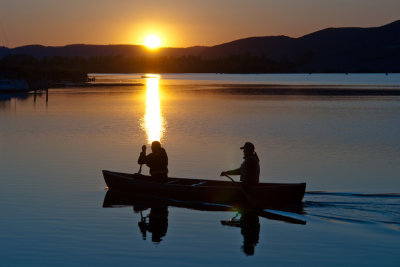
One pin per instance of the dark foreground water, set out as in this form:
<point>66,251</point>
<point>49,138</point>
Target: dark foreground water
<point>347,149</point>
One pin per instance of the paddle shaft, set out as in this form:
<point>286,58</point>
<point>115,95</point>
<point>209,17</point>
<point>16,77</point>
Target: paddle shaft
<point>249,198</point>
<point>226,175</point>
<point>143,152</point>
<point>140,169</point>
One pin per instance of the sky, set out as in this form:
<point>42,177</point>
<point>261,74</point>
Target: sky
<point>180,23</point>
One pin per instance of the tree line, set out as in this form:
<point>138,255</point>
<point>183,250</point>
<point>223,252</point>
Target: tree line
<point>76,68</point>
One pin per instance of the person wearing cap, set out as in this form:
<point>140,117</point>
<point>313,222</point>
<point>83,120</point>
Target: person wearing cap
<point>249,171</point>
<point>157,161</point>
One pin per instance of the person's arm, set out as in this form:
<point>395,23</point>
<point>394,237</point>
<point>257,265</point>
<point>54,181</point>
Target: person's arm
<point>231,172</point>
<point>142,156</point>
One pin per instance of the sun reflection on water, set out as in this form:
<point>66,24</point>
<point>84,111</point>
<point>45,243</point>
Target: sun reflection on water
<point>153,121</point>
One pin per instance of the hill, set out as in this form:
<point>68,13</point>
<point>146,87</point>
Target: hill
<point>328,50</point>
<point>375,49</point>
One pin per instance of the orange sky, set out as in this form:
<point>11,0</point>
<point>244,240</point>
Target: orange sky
<point>180,23</point>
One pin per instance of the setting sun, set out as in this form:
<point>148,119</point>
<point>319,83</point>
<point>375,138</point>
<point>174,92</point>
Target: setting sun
<point>152,41</point>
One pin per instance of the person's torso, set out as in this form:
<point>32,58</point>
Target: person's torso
<point>250,170</point>
<point>158,161</point>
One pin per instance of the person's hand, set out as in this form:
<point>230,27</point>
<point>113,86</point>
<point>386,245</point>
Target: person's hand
<point>144,148</point>
<point>223,174</point>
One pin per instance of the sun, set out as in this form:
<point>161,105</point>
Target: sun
<point>152,41</point>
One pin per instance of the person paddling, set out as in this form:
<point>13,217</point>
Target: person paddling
<point>157,161</point>
<point>249,171</point>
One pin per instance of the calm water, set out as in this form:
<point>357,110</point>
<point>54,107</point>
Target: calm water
<point>347,149</point>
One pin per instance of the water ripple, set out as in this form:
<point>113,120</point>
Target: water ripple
<point>358,208</point>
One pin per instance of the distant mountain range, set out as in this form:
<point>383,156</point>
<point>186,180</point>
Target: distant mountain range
<point>87,51</point>
<point>374,49</point>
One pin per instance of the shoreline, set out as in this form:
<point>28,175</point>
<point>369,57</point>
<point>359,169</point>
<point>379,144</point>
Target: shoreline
<point>246,89</point>
<point>317,90</point>
<point>64,85</point>
<point>94,84</point>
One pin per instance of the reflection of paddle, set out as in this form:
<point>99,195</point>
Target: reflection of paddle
<point>268,213</point>
<point>278,215</point>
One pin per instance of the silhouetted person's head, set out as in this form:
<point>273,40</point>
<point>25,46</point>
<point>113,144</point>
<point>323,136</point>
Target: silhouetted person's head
<point>248,149</point>
<point>155,146</point>
<point>248,249</point>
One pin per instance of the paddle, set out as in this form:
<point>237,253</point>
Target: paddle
<point>143,152</point>
<point>268,213</point>
<point>226,175</point>
<point>140,169</point>
<point>248,197</point>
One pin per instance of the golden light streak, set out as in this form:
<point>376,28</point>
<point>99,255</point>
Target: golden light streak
<point>153,120</point>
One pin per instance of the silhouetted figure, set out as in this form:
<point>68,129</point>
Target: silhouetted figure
<point>157,160</point>
<point>250,229</point>
<point>249,171</point>
<point>157,223</point>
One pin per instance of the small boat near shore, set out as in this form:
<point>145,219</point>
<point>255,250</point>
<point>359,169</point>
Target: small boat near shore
<point>210,191</point>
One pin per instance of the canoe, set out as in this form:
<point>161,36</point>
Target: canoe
<point>209,191</point>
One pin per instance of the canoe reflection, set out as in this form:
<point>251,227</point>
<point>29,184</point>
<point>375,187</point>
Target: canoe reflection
<point>156,221</point>
<point>142,202</point>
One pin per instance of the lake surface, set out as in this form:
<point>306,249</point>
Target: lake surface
<point>346,148</point>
